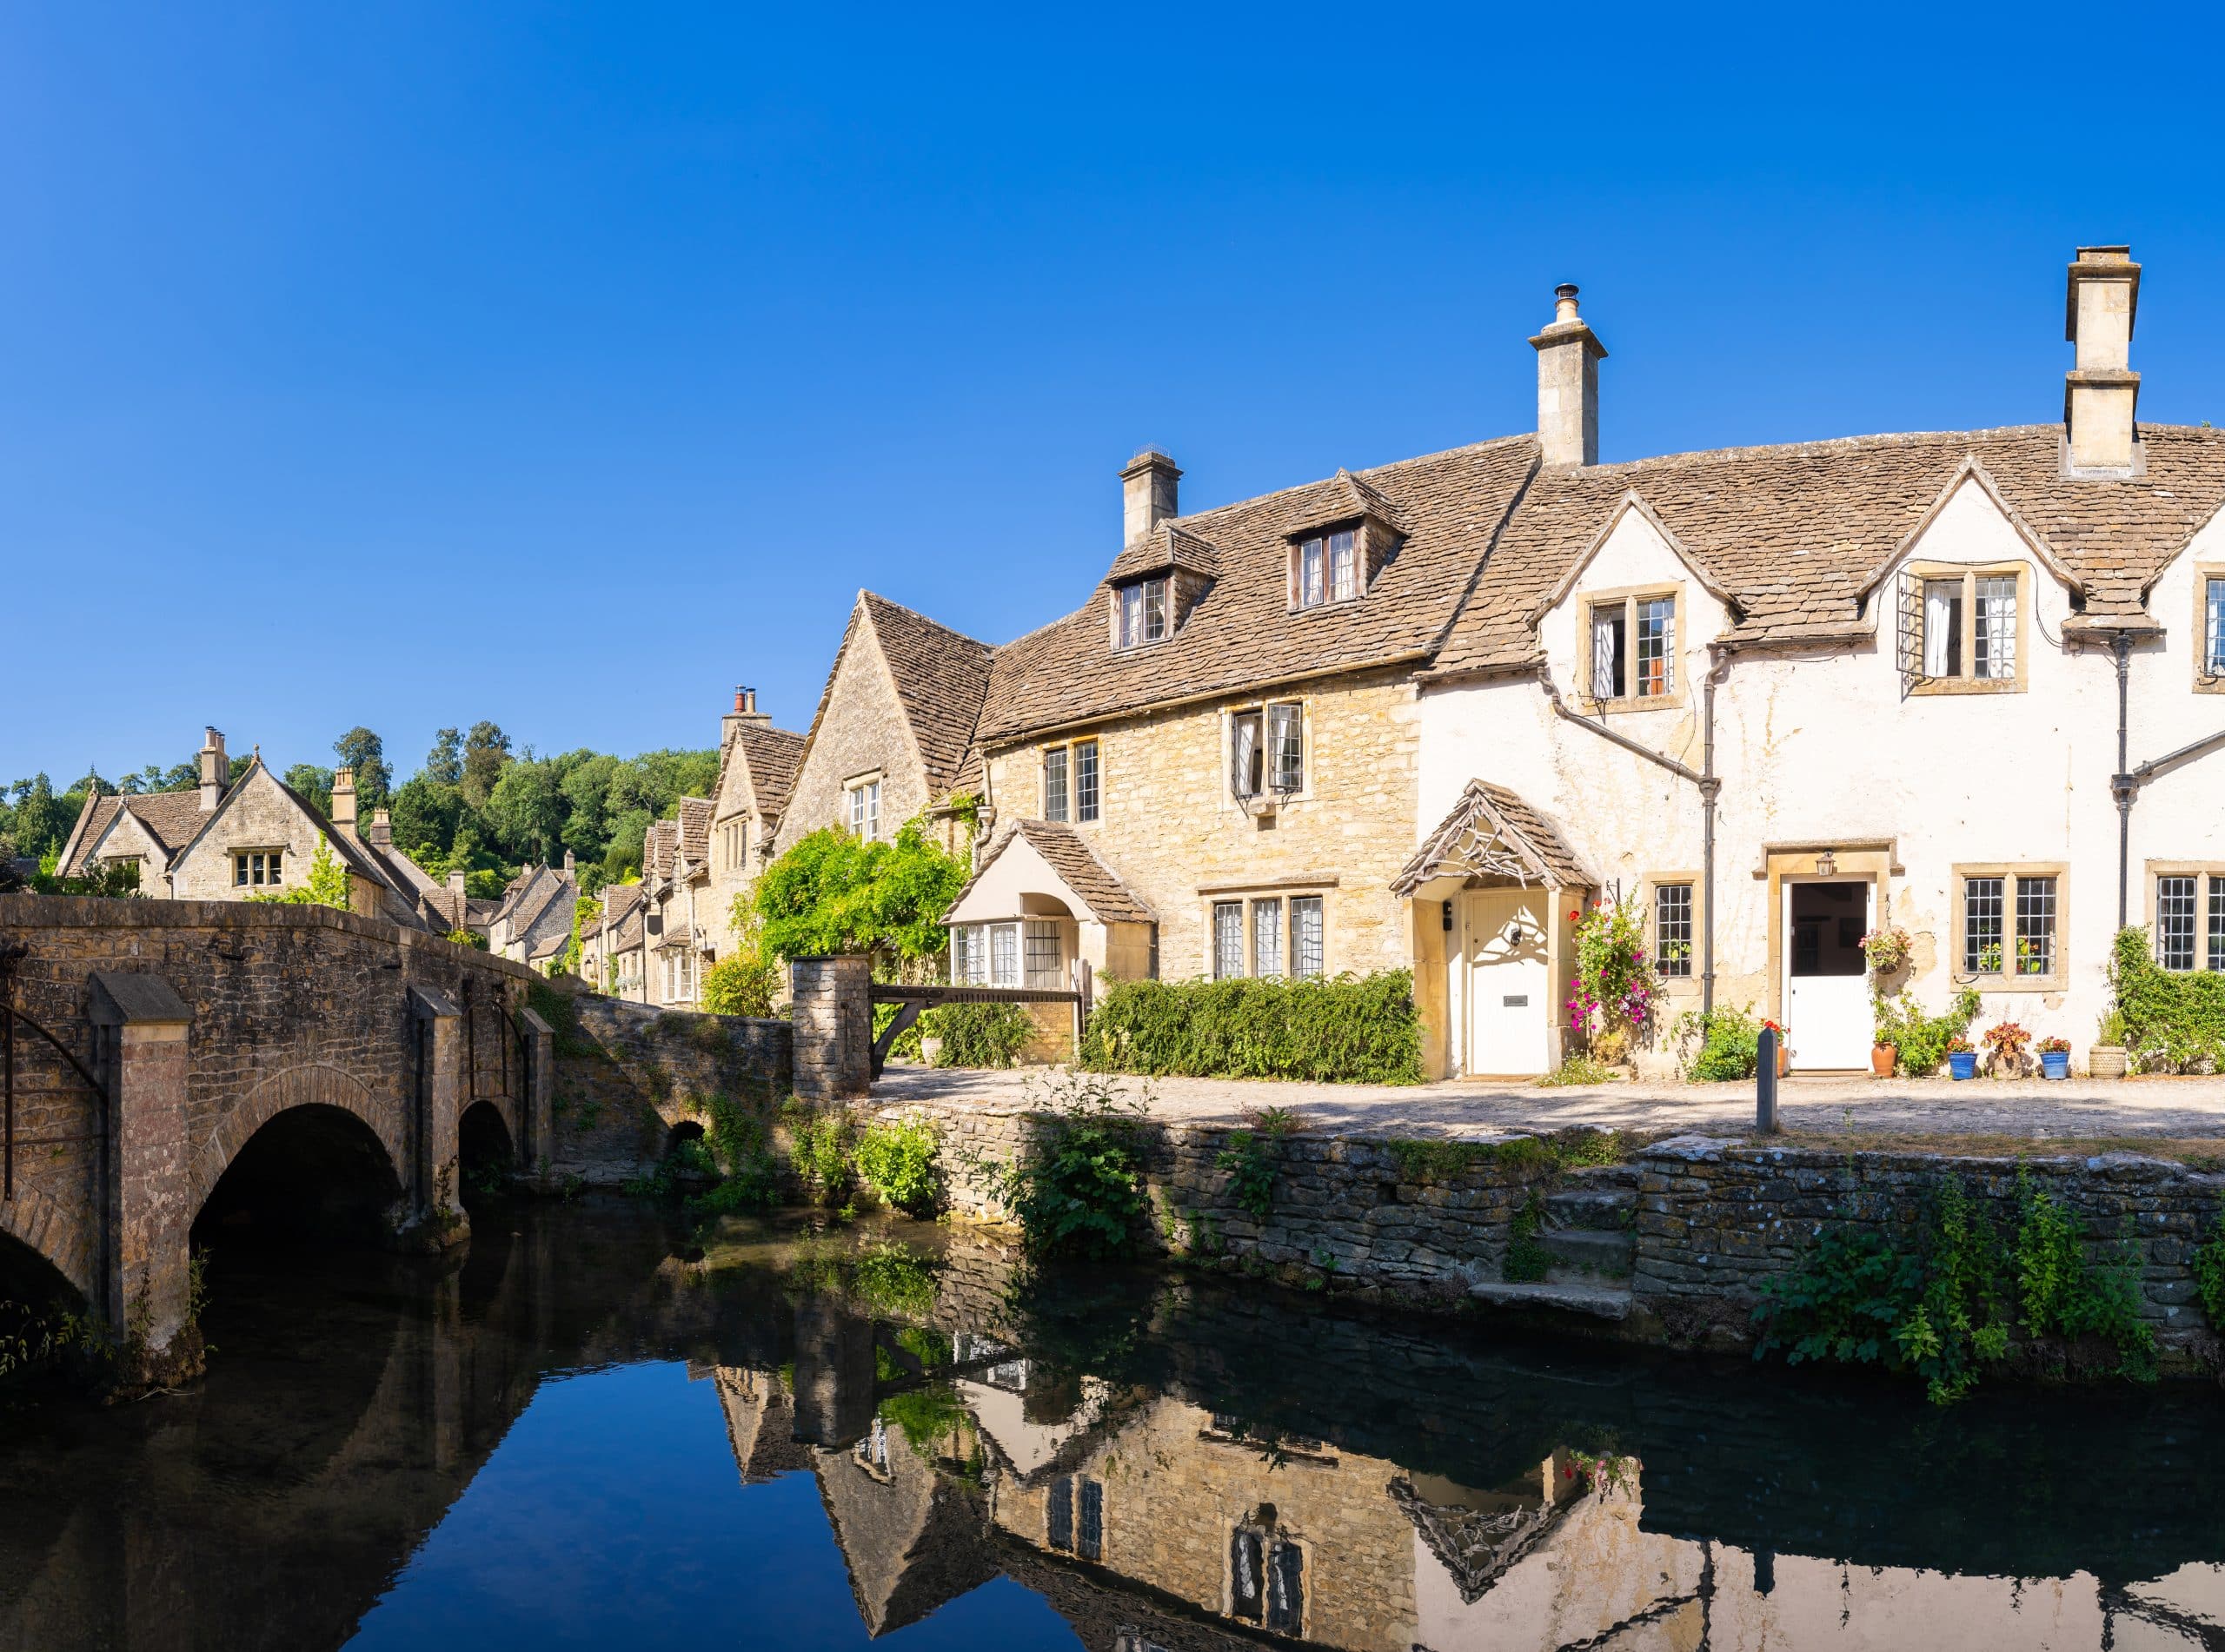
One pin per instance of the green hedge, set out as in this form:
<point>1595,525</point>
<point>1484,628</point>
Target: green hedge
<point>1355,1028</point>
<point>979,1035</point>
<point>2173,1023</point>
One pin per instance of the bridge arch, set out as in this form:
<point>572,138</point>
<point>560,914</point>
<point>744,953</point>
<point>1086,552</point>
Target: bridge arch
<point>36,1224</point>
<point>311,1085</point>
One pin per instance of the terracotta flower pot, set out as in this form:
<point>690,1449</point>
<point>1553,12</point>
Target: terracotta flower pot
<point>1783,1062</point>
<point>1882,1059</point>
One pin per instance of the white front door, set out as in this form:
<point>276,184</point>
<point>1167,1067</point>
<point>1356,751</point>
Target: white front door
<point>1509,985</point>
<point>1828,1018</point>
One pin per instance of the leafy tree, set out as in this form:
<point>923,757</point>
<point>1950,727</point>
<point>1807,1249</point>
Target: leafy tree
<point>425,814</point>
<point>312,783</point>
<point>830,893</point>
<point>486,752</point>
<point>444,763</point>
<point>526,809</point>
<point>361,751</point>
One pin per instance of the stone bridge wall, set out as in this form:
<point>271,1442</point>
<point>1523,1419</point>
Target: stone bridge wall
<point>203,1020</point>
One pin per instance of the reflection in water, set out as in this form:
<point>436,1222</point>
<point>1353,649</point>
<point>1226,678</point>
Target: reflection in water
<point>591,1430</point>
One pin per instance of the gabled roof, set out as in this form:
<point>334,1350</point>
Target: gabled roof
<point>1075,863</point>
<point>941,677</point>
<point>1797,533</point>
<point>1166,546</point>
<point>1242,633</point>
<point>770,757</point>
<point>694,824</point>
<point>171,819</point>
<point>1492,833</point>
<point>361,858</point>
<point>658,847</point>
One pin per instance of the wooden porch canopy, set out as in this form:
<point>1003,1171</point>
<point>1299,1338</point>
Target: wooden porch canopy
<point>1492,836</point>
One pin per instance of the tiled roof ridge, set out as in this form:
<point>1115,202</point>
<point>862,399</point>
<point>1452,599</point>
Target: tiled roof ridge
<point>1880,438</point>
<point>1189,519</point>
<point>923,619</point>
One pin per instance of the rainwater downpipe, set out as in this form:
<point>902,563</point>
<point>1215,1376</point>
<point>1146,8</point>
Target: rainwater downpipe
<point>2125,784</point>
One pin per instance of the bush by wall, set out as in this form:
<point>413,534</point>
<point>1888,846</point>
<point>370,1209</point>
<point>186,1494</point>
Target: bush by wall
<point>2172,1022</point>
<point>1354,1029</point>
<point>979,1035</point>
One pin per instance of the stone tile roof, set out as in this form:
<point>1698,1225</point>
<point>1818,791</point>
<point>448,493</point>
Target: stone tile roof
<point>1164,546</point>
<point>172,818</point>
<point>772,756</point>
<point>1069,854</point>
<point>1493,834</point>
<point>941,678</point>
<point>657,849</point>
<point>694,823</point>
<point>1797,534</point>
<point>1241,634</point>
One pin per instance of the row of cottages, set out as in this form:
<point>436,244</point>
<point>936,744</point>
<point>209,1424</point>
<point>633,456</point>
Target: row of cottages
<point>1419,715</point>
<point>231,839</point>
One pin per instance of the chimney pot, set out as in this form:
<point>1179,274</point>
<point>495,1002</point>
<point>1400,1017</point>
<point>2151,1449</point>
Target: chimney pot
<point>1569,354</point>
<point>1148,494</point>
<point>455,880</point>
<point>344,799</point>
<point>216,768</point>
<point>2101,393</point>
<point>381,828</point>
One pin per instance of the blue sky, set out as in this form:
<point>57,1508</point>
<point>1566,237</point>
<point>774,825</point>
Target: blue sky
<point>411,364</point>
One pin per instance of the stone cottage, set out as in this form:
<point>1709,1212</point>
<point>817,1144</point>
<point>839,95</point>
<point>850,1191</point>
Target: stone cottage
<point>1960,683</point>
<point>757,769</point>
<point>532,922</point>
<point>892,739</point>
<point>610,945</point>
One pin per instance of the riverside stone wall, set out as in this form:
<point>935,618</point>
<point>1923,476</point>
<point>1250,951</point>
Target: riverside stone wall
<point>627,1073</point>
<point>1717,1218</point>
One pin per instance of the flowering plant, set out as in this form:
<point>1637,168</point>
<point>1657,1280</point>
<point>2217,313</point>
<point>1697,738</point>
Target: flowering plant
<point>1887,949</point>
<point>2053,1045</point>
<point>2007,1041</point>
<point>1959,1045</point>
<point>1615,986</point>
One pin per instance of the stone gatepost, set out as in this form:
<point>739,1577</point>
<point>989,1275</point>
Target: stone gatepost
<point>833,1021</point>
<point>145,1279</point>
<point>434,1220</point>
<point>537,1111</point>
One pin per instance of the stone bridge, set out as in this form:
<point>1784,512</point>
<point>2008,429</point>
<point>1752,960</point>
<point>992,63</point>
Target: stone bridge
<point>159,1055</point>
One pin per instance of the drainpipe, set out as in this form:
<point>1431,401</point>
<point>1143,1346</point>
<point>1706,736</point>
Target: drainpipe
<point>1710,787</point>
<point>2121,784</point>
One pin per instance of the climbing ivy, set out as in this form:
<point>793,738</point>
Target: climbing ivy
<point>2172,1022</point>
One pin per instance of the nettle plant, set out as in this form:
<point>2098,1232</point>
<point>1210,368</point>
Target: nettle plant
<point>1616,991</point>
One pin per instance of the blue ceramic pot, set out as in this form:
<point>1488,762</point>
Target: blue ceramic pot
<point>2055,1063</point>
<point>1963,1064</point>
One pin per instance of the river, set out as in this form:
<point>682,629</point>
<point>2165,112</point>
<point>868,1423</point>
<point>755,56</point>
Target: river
<point>597,1428</point>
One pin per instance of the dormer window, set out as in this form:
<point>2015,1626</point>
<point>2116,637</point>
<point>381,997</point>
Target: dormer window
<point>1326,569</point>
<point>1142,614</point>
<point>1962,629</point>
<point>1630,642</point>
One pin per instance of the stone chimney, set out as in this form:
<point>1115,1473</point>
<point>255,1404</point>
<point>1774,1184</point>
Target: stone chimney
<point>382,829</point>
<point>2101,391</point>
<point>216,770</point>
<point>1569,354</point>
<point>744,711</point>
<point>455,882</point>
<point>1147,494</point>
<point>568,871</point>
<point>344,800</point>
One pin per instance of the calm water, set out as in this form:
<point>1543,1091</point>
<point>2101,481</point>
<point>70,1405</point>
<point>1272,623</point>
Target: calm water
<point>595,1430</point>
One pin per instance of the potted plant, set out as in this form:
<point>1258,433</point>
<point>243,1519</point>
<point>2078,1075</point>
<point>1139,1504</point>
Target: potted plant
<point>2107,1060</point>
<point>1887,949</point>
<point>1962,1059</point>
<point>2055,1057</point>
<point>1885,1056</point>
<point>2005,1044</point>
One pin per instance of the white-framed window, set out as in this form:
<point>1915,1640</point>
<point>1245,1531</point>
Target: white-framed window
<point>1266,750</point>
<point>1268,936</point>
<point>1630,640</point>
<point>864,808</point>
<point>1005,954</point>
<point>2190,920</point>
<point>2213,626</point>
<point>2011,924</point>
<point>1672,930</point>
<point>258,868</point>
<point>1964,627</point>
<point>1325,569</point>
<point>1140,613</point>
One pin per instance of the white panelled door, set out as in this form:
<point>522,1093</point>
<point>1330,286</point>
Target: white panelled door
<point>1828,1018</point>
<point>1508,985</point>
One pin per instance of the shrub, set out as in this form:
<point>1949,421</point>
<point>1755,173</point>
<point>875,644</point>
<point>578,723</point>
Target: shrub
<point>2209,1274</point>
<point>1354,1029</point>
<point>1080,1190</point>
<point>821,1149</point>
<point>1581,1070</point>
<point>2170,1022</point>
<point>1921,1042</point>
<point>979,1035</point>
<point>1615,989</point>
<point>1729,1041</point>
<point>1250,1158</point>
<point>740,984</point>
<point>897,1162</point>
<point>829,892</point>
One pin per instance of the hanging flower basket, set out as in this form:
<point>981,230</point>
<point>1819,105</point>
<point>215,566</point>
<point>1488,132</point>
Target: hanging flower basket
<point>1887,949</point>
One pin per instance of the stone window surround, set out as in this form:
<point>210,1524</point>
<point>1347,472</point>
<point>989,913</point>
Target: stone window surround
<point>2010,871</point>
<point>851,786</point>
<point>1114,594</point>
<point>733,841</point>
<point>1295,570</point>
<point>2200,870</point>
<point>2204,683</point>
<point>1284,890</point>
<point>241,868</point>
<point>1073,816</point>
<point>1970,573</point>
<point>1629,596</point>
<point>1268,799</point>
<point>1647,882</point>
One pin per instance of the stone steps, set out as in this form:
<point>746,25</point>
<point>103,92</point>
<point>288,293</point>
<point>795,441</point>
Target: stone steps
<point>1594,1300</point>
<point>1587,1252</point>
<point>1605,1208</point>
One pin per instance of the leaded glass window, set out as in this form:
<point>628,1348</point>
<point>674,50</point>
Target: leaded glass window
<point>2036,925</point>
<point>1085,780</point>
<point>1672,930</point>
<point>1267,937</point>
<point>1656,646</point>
<point>1305,947</point>
<point>1982,927</point>
<point>1228,939</point>
<point>1054,784</point>
<point>2174,914</point>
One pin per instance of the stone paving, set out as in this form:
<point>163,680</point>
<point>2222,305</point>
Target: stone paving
<point>2079,1108</point>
